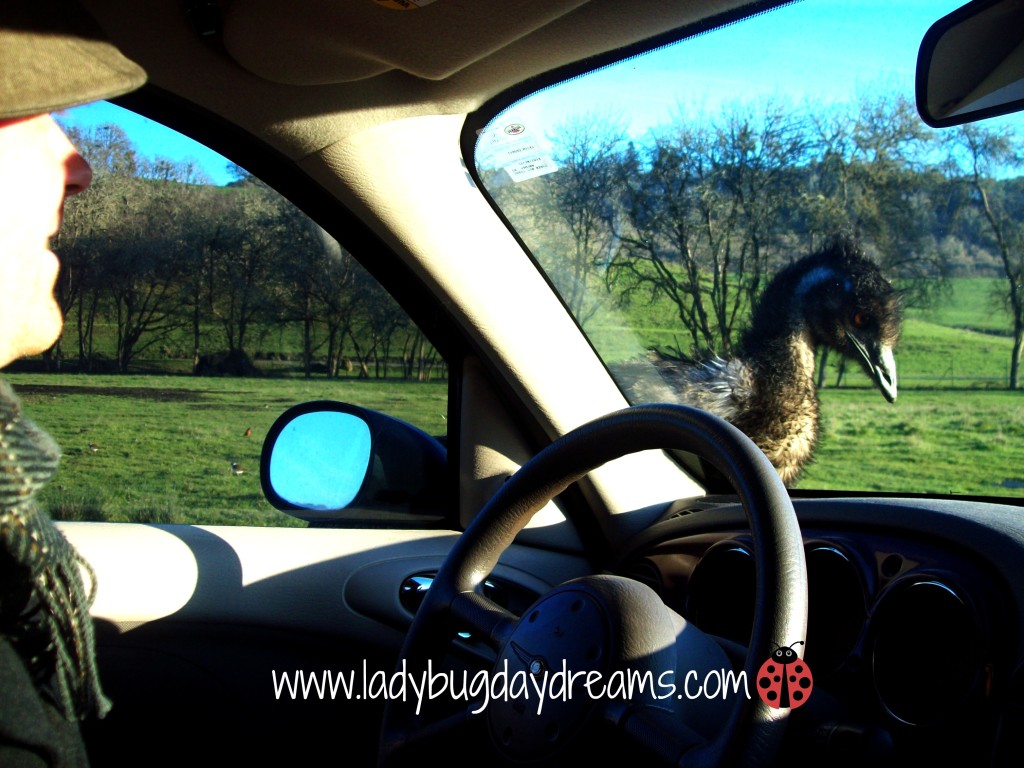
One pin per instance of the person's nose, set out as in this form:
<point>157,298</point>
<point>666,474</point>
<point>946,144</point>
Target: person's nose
<point>77,171</point>
<point>79,174</point>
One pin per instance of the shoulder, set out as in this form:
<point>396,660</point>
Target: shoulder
<point>32,731</point>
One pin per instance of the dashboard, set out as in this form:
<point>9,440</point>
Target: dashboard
<point>915,636</point>
<point>914,621</point>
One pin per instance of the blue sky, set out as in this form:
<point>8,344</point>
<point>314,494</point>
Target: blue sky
<point>845,46</point>
<point>151,138</point>
<point>827,50</point>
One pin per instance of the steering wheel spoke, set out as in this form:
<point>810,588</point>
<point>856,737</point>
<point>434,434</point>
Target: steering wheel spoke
<point>414,739</point>
<point>485,620</point>
<point>658,731</point>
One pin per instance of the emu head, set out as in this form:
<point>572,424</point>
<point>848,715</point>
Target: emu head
<point>849,306</point>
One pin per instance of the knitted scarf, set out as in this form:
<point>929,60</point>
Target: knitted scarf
<point>44,606</point>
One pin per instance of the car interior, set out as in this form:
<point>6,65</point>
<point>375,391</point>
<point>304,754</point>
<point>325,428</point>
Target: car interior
<point>563,522</point>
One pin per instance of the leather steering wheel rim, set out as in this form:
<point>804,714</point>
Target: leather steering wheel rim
<point>753,730</point>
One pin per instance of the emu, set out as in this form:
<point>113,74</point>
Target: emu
<point>836,297</point>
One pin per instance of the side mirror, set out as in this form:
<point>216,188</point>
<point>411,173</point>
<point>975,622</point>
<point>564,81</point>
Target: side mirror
<point>971,64</point>
<point>332,463</point>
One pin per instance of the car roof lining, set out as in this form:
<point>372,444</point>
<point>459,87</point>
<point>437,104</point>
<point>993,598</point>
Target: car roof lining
<point>309,82</point>
<point>345,42</point>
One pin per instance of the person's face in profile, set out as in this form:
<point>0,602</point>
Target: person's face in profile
<point>39,168</point>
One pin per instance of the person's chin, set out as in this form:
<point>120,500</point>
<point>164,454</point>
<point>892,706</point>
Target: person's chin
<point>32,322</point>
<point>40,334</point>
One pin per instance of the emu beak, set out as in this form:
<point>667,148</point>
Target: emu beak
<point>880,363</point>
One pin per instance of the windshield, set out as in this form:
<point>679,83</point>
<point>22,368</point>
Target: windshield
<point>756,221</point>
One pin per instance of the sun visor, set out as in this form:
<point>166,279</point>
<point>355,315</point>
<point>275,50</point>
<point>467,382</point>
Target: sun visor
<point>322,42</point>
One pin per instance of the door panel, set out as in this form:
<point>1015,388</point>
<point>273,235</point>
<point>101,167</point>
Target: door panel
<point>195,626</point>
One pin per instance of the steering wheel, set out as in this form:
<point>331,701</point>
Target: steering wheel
<point>599,624</point>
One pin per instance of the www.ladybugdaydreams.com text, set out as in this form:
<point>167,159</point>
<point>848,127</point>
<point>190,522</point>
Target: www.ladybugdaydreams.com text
<point>485,686</point>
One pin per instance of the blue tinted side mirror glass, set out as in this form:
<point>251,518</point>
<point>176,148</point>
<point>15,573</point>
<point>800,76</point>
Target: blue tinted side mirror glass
<point>332,463</point>
<point>319,460</point>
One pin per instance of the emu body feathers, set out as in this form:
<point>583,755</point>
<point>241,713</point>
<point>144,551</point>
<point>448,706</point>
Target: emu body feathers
<point>836,297</point>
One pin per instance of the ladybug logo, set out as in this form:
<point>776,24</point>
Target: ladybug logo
<point>784,681</point>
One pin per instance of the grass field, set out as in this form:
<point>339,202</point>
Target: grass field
<point>929,441</point>
<point>165,443</point>
<point>972,303</point>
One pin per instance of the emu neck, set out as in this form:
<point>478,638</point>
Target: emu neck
<point>783,414</point>
<point>785,360</point>
<point>778,343</point>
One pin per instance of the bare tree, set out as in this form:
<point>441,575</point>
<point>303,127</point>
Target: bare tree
<point>977,153</point>
<point>243,262</point>
<point>337,300</point>
<point>564,215</point>
<point>657,223</point>
<point>867,177</point>
<point>303,265</point>
<point>699,213</point>
<point>91,228</point>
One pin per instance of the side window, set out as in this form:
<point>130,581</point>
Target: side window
<point>199,305</point>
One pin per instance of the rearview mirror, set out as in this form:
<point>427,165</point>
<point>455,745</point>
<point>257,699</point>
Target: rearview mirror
<point>332,463</point>
<point>971,64</point>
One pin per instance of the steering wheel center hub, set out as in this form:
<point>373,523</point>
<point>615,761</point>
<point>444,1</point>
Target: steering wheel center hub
<point>561,644</point>
<point>570,654</point>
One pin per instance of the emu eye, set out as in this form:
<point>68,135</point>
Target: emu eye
<point>860,319</point>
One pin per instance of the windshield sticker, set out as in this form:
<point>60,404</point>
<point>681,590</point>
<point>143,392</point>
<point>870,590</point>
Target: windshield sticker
<point>511,148</point>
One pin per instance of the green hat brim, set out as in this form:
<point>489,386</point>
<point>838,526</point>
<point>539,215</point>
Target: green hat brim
<point>54,56</point>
